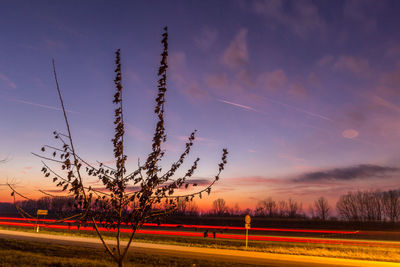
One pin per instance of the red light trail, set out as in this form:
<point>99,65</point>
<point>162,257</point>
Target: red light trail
<point>201,234</point>
<point>205,227</point>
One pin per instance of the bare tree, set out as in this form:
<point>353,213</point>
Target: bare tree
<point>184,207</point>
<point>116,206</point>
<point>192,209</point>
<point>321,208</point>
<point>361,206</point>
<point>391,204</point>
<point>294,208</point>
<point>267,207</point>
<point>282,208</point>
<point>235,210</point>
<point>219,207</point>
<point>347,207</point>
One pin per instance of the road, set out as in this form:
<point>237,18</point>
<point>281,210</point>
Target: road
<point>225,255</point>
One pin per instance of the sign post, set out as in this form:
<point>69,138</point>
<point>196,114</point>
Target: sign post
<point>247,221</point>
<point>40,212</point>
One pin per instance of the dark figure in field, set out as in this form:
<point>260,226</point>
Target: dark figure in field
<point>206,233</point>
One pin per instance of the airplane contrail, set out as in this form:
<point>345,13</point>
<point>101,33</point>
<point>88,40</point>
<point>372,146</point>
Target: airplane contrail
<point>264,113</point>
<point>385,103</point>
<point>237,105</point>
<point>279,103</point>
<point>39,105</point>
<point>299,109</point>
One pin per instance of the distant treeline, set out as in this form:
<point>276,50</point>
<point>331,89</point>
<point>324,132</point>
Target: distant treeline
<point>358,206</point>
<point>369,206</point>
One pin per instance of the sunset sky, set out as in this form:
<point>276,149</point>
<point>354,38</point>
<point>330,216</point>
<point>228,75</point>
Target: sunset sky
<point>304,94</point>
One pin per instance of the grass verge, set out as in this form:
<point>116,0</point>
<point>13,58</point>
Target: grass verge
<point>23,253</point>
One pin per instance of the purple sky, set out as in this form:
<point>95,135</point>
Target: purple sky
<point>304,94</point>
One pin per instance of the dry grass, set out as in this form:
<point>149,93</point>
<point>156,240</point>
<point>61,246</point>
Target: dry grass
<point>22,253</point>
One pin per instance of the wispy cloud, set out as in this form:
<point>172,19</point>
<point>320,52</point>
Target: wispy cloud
<point>207,38</point>
<point>363,14</point>
<point>358,66</point>
<point>325,60</point>
<point>363,171</point>
<point>301,17</point>
<point>9,83</point>
<point>256,181</point>
<point>273,80</point>
<point>54,44</point>
<point>384,103</point>
<point>237,55</point>
<point>350,133</point>
<point>218,81</point>
<point>198,138</point>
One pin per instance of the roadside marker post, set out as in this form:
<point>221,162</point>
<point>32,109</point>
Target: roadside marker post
<point>40,212</point>
<point>247,221</point>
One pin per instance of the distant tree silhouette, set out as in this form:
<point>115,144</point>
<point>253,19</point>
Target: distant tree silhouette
<point>219,207</point>
<point>369,206</point>
<point>321,208</point>
<point>116,206</point>
<point>267,207</point>
<point>235,210</point>
<point>391,204</point>
<point>184,207</point>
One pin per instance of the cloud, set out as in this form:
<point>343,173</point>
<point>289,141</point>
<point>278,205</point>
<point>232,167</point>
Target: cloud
<point>363,13</point>
<point>384,103</point>
<point>244,77</point>
<point>137,133</point>
<point>313,80</point>
<point>9,83</point>
<point>272,81</point>
<point>53,44</point>
<point>390,82</point>
<point>325,60</point>
<point>177,61</point>
<point>236,55</point>
<point>135,188</point>
<point>393,50</point>
<point>362,171</point>
<point>350,133</point>
<point>358,66</point>
<point>199,181</point>
<point>198,138</point>
<point>128,189</point>
<point>298,90</point>
<point>300,17</point>
<point>207,38</point>
<point>218,81</point>
<point>194,91</point>
<point>183,78</point>
<point>255,180</point>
